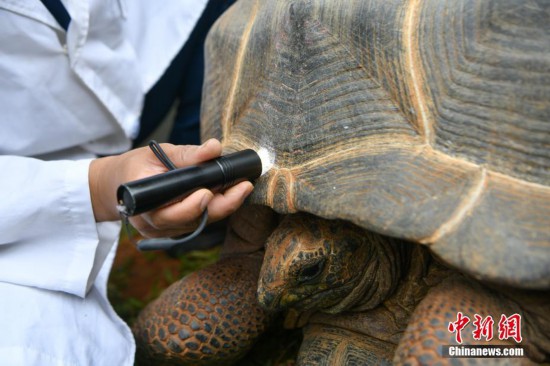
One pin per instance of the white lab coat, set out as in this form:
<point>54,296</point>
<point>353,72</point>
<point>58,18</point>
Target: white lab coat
<point>64,97</point>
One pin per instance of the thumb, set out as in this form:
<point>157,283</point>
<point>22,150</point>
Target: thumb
<point>185,155</point>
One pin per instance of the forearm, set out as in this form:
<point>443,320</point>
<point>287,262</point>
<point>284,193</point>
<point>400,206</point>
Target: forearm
<point>48,233</point>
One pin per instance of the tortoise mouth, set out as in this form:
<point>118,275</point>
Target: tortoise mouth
<point>280,298</point>
<point>319,300</point>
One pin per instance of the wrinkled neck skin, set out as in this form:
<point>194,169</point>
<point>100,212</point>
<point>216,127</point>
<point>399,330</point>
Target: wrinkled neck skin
<point>328,265</point>
<point>248,230</point>
<point>380,276</point>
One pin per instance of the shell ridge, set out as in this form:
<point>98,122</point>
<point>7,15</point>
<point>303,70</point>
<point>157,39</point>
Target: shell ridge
<point>290,182</point>
<point>272,182</point>
<point>424,123</point>
<point>230,102</point>
<point>281,180</point>
<point>466,206</point>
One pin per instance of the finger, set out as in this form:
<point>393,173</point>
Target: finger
<point>146,230</point>
<point>186,155</point>
<point>142,226</point>
<point>181,216</point>
<point>223,205</point>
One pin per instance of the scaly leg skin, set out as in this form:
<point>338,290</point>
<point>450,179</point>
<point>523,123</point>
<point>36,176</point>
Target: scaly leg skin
<point>428,329</point>
<point>212,316</point>
<point>325,345</point>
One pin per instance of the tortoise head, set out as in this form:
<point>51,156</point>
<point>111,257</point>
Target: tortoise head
<point>329,265</point>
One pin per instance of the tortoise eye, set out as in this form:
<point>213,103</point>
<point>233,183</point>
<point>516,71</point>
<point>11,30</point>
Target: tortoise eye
<point>311,271</point>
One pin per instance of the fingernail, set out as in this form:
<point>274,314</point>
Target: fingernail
<point>205,201</point>
<point>247,191</point>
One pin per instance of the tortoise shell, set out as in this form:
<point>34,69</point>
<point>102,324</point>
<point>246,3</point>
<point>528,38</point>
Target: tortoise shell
<point>423,120</point>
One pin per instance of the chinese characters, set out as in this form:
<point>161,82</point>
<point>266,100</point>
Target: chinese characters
<point>508,327</point>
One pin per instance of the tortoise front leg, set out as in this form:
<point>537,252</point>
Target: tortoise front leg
<point>428,329</point>
<point>212,316</point>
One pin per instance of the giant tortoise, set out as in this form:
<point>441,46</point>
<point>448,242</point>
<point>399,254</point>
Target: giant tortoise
<point>418,122</point>
<point>365,299</point>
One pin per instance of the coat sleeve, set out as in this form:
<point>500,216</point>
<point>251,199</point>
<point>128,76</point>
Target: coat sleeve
<point>48,235</point>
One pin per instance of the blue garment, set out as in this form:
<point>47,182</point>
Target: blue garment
<point>182,80</point>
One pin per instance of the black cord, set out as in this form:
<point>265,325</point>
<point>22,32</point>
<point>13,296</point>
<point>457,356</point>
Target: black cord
<point>161,155</point>
<point>167,243</point>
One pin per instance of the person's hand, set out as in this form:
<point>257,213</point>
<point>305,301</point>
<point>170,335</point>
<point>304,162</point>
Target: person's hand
<point>106,174</point>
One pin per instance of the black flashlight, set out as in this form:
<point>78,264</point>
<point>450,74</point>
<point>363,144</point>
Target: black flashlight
<point>147,194</point>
